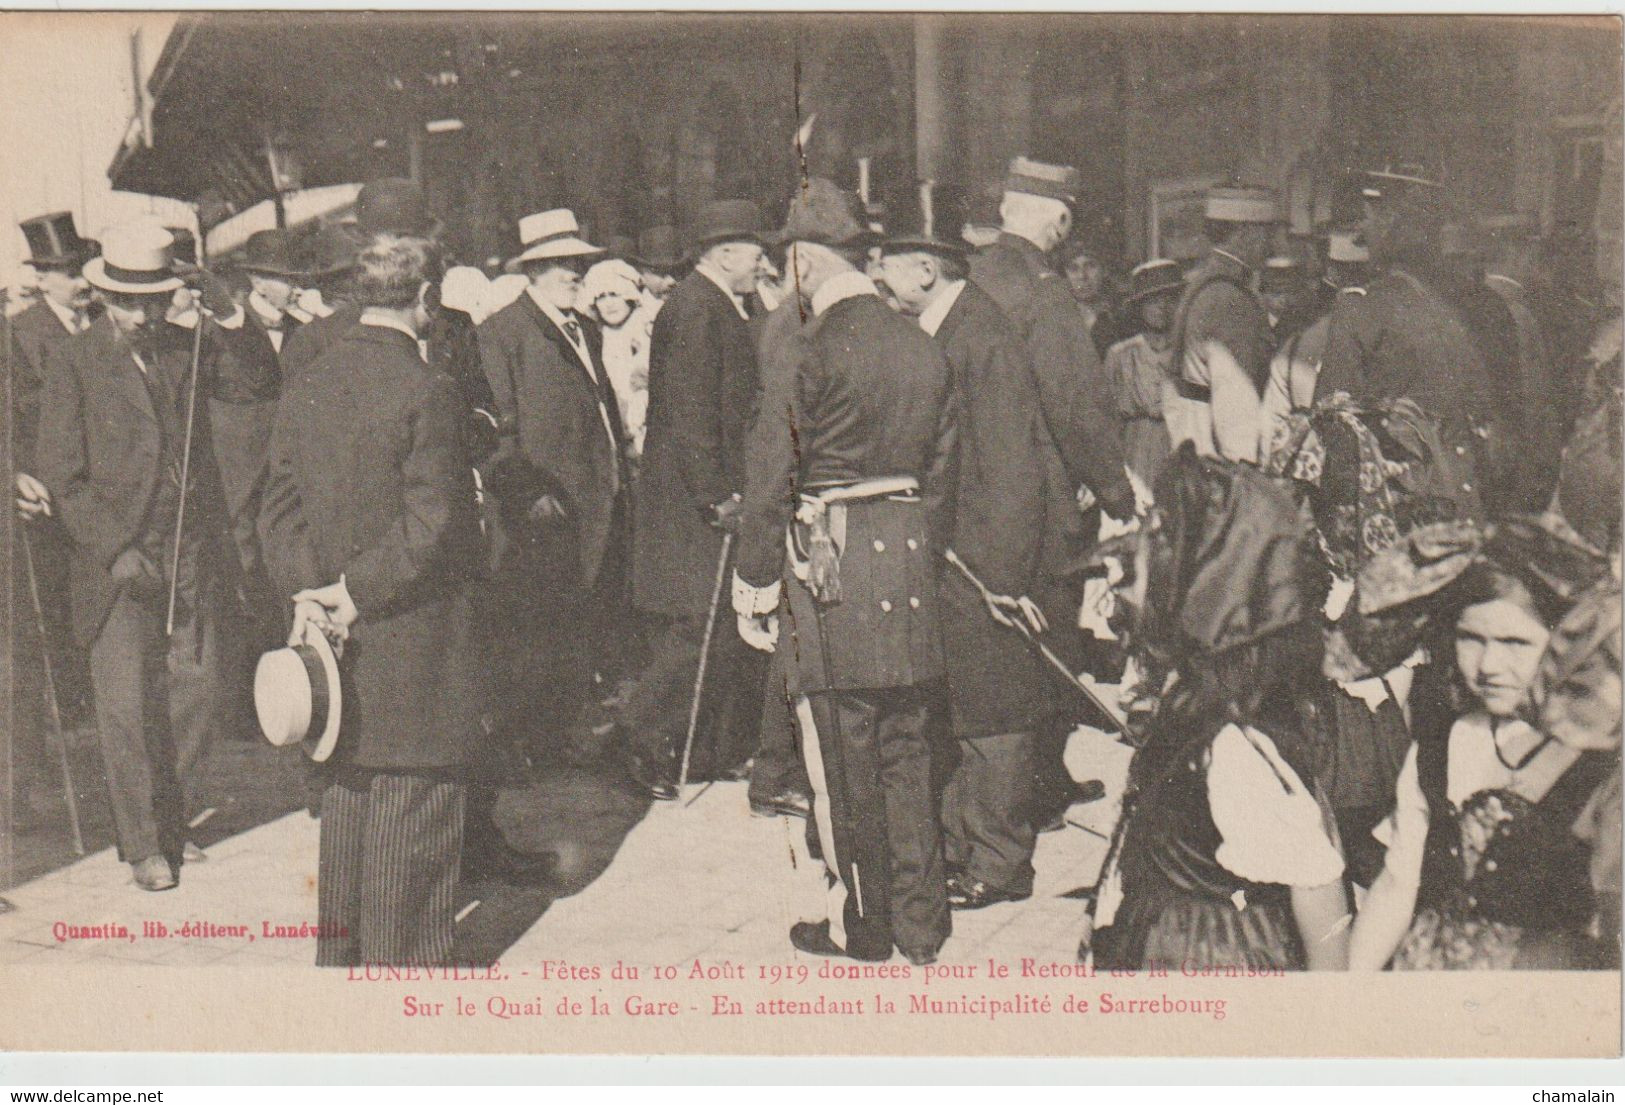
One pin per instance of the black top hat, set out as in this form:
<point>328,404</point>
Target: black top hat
<point>1154,277</point>
<point>54,242</point>
<point>270,252</point>
<point>930,222</point>
<point>726,221</point>
<point>393,205</point>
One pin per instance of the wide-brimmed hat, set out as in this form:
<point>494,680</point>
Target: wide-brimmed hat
<point>394,205</point>
<point>1240,205</point>
<point>1153,277</point>
<point>659,249</point>
<point>1040,178</point>
<point>270,252</point>
<point>136,259</point>
<point>821,213</point>
<point>54,242</point>
<point>553,234</point>
<point>299,697</point>
<point>719,221</point>
<point>930,222</point>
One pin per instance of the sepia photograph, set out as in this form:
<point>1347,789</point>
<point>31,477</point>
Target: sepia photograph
<point>796,533</point>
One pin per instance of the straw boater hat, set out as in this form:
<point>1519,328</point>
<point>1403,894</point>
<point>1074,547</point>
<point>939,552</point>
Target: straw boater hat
<point>552,234</point>
<point>135,260</point>
<point>1154,277</point>
<point>54,243</point>
<point>299,697</point>
<point>1240,205</point>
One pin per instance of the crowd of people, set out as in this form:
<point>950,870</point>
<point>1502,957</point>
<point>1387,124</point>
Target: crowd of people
<point>870,508</point>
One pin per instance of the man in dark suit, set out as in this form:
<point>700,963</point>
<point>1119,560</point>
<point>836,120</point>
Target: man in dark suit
<point>112,452</point>
<point>1015,524</point>
<point>560,475</point>
<point>854,455</point>
<point>36,335</point>
<point>370,526</point>
<point>702,399</point>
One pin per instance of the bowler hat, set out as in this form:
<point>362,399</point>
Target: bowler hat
<point>329,253</point>
<point>1154,277</point>
<point>393,205</point>
<point>54,242</point>
<point>726,221</point>
<point>269,252</point>
<point>299,697</point>
<point>821,213</point>
<point>136,259</point>
<point>658,249</point>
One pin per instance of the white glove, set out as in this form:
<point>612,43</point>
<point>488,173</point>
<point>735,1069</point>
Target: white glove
<point>760,631</point>
<point>33,497</point>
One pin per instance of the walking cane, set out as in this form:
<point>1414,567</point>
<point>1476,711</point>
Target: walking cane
<point>51,700</point>
<point>705,656</point>
<point>1044,650</point>
<point>186,465</point>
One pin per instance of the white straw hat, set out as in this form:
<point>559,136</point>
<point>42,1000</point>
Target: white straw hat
<point>555,233</point>
<point>298,696</point>
<point>135,259</point>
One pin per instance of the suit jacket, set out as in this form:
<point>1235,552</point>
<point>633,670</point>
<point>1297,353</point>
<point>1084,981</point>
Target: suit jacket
<point>36,334</point>
<point>1071,383</point>
<point>102,447</point>
<point>871,396</point>
<point>367,479</point>
<point>551,415</point>
<point>1015,522</point>
<point>304,346</point>
<point>702,400</point>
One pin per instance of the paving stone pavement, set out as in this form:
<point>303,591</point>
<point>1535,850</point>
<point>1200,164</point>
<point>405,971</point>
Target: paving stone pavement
<point>700,880</point>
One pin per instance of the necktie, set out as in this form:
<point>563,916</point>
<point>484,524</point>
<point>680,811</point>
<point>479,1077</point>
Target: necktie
<point>572,329</point>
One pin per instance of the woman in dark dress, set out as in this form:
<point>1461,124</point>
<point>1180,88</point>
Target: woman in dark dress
<point>1226,857</point>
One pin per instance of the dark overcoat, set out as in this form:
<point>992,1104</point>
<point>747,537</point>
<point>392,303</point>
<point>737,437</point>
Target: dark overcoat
<point>1072,386</point>
<point>702,399</point>
<point>1014,523</point>
<point>36,333</point>
<point>101,449</point>
<point>368,480</point>
<point>871,397</point>
<point>551,415</point>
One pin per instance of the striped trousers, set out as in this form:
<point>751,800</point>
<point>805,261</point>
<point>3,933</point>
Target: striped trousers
<point>391,846</point>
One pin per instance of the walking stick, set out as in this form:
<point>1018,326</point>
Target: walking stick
<point>51,699</point>
<point>705,656</point>
<point>186,467</point>
<point>1044,650</point>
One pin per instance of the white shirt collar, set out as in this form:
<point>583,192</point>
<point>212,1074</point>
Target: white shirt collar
<point>384,322</point>
<point>65,315</point>
<point>847,285</point>
<point>931,318</point>
<point>734,297</point>
<point>262,307</point>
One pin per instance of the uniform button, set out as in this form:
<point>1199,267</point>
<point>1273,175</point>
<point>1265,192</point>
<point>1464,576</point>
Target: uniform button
<point>1489,865</point>
<point>1461,450</point>
<point>912,544</point>
<point>913,602</point>
<point>1466,487</point>
<point>880,546</point>
<point>885,605</point>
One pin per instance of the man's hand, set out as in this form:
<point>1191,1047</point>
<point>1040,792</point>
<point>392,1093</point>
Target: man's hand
<point>725,515</point>
<point>546,509</point>
<point>33,497</point>
<point>307,616</point>
<point>760,632</point>
<point>137,571</point>
<point>214,293</point>
<point>1007,611</point>
<point>337,607</point>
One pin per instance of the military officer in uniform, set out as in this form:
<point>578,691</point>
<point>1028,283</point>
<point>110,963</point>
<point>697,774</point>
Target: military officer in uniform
<point>1222,336</point>
<point>1014,520</point>
<point>1296,364</point>
<point>854,458</point>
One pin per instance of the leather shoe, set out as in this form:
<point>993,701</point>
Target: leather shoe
<point>154,873</point>
<point>920,958</point>
<point>788,802</point>
<point>499,861</point>
<point>653,781</point>
<point>191,853</point>
<point>968,893</point>
<point>813,938</point>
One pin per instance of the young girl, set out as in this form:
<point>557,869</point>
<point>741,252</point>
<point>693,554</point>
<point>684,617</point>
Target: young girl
<point>1483,869</point>
<point>1226,858</point>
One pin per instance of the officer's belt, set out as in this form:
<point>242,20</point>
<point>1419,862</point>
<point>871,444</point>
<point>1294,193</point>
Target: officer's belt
<point>823,511</point>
